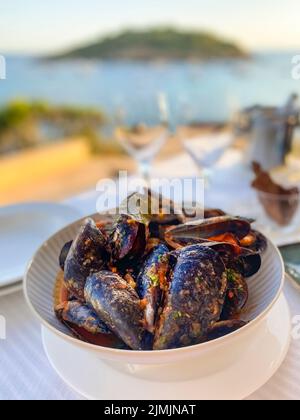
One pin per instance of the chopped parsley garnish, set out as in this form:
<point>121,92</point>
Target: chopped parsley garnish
<point>177,315</point>
<point>232,276</point>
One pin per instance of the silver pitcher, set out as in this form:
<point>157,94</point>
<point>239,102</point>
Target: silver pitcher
<point>270,132</point>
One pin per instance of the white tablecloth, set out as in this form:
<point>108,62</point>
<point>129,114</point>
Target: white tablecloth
<point>25,372</point>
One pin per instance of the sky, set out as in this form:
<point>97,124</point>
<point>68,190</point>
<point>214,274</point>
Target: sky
<point>35,26</point>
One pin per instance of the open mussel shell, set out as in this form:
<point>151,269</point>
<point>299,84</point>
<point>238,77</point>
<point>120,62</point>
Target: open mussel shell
<point>208,229</point>
<point>195,299</point>
<point>118,305</point>
<point>88,254</point>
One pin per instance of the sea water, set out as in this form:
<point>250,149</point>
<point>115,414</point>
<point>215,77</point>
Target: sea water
<point>196,91</point>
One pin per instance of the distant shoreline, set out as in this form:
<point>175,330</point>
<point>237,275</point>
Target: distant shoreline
<point>159,44</point>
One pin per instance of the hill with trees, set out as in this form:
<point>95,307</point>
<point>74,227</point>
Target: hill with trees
<point>157,44</point>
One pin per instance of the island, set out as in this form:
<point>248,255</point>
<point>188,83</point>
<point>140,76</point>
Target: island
<point>157,44</point>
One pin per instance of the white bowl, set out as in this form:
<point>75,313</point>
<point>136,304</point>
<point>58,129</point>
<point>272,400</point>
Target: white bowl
<point>265,289</point>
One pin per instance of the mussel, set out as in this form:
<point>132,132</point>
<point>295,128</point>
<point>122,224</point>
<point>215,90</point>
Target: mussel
<point>89,253</point>
<point>198,285</point>
<point>118,305</point>
<point>213,229</point>
<point>128,239</point>
<point>78,314</point>
<point>246,244</point>
<point>152,282</point>
<point>86,325</point>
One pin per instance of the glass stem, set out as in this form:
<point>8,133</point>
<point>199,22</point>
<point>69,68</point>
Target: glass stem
<point>207,176</point>
<point>144,170</point>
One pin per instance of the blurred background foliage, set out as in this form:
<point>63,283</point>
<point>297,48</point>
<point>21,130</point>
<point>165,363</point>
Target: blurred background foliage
<point>25,124</point>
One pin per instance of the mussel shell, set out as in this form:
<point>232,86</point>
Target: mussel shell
<point>118,305</point>
<point>250,265</point>
<point>244,260</point>
<point>179,243</point>
<point>79,314</point>
<point>208,229</point>
<point>151,282</point>
<point>128,239</point>
<point>64,254</point>
<point>223,328</point>
<point>88,254</point>
<point>195,299</point>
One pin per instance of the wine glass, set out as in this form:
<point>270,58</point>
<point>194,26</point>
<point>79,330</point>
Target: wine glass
<point>204,143</point>
<point>142,130</point>
<point>207,150</point>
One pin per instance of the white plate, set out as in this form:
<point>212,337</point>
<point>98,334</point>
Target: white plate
<point>95,380</point>
<point>23,228</point>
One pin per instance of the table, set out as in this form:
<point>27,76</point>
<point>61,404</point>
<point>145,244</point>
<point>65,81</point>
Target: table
<point>25,372</point>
